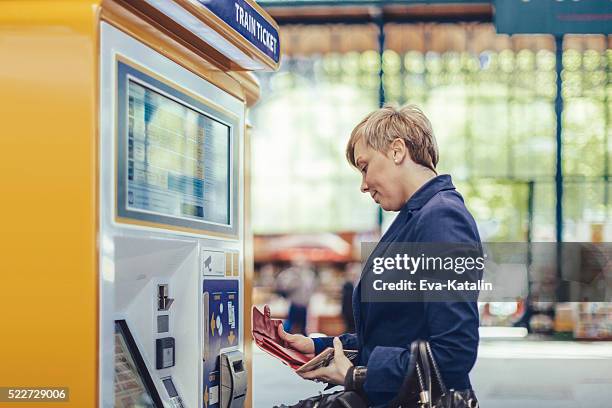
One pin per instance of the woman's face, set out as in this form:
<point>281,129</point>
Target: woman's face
<point>380,176</point>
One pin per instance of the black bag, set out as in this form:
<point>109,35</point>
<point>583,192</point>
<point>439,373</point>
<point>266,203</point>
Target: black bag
<point>423,386</point>
<point>339,399</point>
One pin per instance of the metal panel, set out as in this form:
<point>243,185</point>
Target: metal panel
<point>48,159</point>
<point>298,3</point>
<point>553,17</point>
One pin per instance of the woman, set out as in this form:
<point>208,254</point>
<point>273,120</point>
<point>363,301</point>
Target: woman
<point>396,153</point>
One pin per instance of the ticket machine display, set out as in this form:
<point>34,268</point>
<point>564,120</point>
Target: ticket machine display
<point>176,155</point>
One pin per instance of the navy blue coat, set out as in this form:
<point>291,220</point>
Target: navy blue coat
<point>384,330</point>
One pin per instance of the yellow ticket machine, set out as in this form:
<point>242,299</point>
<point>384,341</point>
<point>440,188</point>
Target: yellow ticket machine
<point>126,239</point>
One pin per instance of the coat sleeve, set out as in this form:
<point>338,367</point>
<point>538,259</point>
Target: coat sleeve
<point>349,342</point>
<point>452,326</point>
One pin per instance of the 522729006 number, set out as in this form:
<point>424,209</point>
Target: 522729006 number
<point>34,394</point>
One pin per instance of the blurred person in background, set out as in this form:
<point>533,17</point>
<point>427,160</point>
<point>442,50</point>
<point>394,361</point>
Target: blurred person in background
<point>297,283</point>
<point>396,152</point>
<point>267,278</point>
<point>352,277</point>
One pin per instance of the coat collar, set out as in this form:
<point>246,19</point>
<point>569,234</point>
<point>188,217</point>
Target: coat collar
<point>427,191</point>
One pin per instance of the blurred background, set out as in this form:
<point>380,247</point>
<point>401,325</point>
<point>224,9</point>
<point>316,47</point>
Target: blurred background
<point>532,165</point>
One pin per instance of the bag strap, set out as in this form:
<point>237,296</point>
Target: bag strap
<point>418,383</point>
<point>414,381</point>
<point>405,392</point>
<point>436,371</point>
<point>426,393</point>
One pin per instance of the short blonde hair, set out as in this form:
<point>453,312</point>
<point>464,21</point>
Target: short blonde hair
<point>386,124</point>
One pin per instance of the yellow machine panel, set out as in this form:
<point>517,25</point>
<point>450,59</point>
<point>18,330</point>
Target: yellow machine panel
<point>73,268</point>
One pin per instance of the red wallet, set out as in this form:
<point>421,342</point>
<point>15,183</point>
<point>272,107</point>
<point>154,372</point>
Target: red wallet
<point>265,333</point>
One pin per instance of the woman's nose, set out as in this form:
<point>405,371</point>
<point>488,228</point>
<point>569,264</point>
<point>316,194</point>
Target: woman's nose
<point>364,186</point>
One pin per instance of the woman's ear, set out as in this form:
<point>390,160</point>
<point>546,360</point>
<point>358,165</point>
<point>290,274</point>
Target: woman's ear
<point>398,150</point>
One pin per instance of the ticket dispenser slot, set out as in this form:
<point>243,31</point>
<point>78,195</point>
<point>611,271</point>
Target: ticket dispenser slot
<point>233,380</point>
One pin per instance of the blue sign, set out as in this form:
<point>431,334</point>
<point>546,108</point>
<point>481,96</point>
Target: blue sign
<point>553,17</point>
<point>223,332</point>
<point>247,21</point>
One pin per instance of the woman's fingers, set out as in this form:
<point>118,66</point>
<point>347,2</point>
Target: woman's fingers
<point>298,342</point>
<point>281,332</point>
<point>338,350</point>
<point>318,374</point>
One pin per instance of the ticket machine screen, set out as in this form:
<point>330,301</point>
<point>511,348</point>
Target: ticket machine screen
<point>177,162</point>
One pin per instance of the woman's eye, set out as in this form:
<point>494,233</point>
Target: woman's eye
<point>364,170</point>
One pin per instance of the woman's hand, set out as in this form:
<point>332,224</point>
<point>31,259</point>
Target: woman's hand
<point>297,342</point>
<point>336,371</point>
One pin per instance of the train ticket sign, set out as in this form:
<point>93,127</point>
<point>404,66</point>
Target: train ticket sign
<point>245,19</point>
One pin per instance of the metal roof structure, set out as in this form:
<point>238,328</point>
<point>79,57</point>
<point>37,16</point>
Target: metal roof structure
<point>301,3</point>
<point>509,16</point>
<point>391,11</point>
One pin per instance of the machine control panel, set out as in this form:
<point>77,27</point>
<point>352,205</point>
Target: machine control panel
<point>221,331</point>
